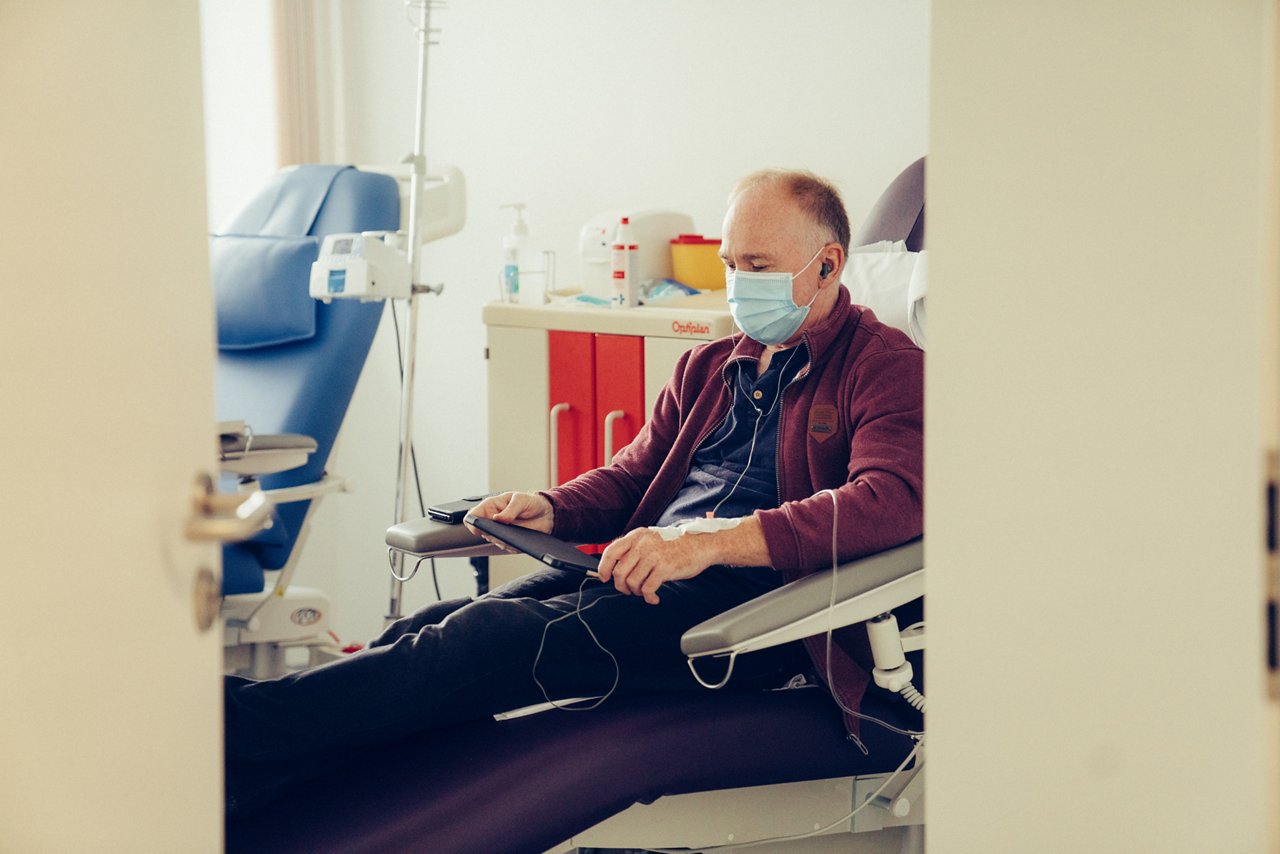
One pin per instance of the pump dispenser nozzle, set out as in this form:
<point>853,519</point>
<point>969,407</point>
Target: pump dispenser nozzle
<point>519,228</point>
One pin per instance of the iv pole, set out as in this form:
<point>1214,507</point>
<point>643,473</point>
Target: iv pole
<point>418,159</point>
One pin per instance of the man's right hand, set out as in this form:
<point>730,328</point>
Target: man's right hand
<point>526,509</point>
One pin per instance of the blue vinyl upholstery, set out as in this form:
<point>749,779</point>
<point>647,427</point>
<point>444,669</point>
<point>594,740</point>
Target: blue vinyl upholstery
<point>279,380</point>
<point>261,287</point>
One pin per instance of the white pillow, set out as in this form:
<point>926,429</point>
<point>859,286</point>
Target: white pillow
<point>917,289</point>
<point>890,281</point>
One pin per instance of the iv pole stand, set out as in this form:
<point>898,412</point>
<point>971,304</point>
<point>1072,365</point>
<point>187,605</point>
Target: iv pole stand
<point>416,183</point>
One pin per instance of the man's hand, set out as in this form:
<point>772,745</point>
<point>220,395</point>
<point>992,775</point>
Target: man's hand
<point>525,509</point>
<point>641,561</point>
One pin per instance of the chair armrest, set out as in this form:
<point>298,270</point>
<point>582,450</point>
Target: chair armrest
<point>864,588</point>
<point>429,538</point>
<point>259,454</point>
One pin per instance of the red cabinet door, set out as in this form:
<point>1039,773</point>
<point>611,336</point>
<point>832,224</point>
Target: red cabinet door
<point>619,393</point>
<point>572,417</point>
<point>596,385</point>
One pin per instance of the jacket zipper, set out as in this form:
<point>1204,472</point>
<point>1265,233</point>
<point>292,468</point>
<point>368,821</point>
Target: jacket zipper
<point>782,414</point>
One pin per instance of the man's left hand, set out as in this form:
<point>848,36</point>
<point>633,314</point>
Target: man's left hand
<point>642,561</point>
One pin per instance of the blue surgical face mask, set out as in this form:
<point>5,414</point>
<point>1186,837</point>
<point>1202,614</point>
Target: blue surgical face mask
<point>762,305</point>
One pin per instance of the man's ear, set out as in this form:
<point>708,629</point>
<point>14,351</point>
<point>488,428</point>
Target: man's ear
<point>832,264</point>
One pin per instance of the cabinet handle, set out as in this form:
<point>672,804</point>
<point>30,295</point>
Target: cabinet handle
<point>554,455</point>
<point>608,434</point>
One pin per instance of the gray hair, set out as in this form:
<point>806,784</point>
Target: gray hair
<point>816,196</point>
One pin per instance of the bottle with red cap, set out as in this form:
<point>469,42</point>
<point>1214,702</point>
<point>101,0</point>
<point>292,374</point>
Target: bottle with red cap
<point>626,290</point>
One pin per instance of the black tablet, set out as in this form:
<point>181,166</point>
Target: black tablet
<point>546,548</point>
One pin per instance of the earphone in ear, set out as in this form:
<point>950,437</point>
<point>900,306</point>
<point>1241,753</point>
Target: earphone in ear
<point>825,271</point>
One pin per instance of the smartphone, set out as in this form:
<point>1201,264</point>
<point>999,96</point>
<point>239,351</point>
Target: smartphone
<point>452,512</point>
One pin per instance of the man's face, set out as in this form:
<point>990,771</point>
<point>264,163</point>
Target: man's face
<point>765,231</point>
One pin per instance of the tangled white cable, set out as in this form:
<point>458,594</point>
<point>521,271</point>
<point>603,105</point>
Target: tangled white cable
<point>577,612</point>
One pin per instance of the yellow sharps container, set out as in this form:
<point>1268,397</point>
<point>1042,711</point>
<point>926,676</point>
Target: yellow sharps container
<point>695,261</point>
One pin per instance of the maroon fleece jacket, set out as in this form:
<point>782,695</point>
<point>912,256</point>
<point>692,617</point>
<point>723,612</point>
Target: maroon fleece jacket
<point>852,421</point>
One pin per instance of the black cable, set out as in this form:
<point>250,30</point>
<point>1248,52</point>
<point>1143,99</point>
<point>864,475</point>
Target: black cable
<point>413,452</point>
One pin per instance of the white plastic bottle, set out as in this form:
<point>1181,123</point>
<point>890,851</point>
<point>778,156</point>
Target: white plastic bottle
<point>513,246</point>
<point>623,254</point>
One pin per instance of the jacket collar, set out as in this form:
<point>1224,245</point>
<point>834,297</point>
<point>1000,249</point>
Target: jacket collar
<point>818,338</point>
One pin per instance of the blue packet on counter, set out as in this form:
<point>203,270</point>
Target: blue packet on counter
<point>662,290</point>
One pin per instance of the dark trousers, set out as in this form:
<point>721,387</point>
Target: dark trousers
<point>467,658</point>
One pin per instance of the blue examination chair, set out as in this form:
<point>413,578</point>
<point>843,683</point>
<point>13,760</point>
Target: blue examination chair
<point>691,771</point>
<point>287,367</point>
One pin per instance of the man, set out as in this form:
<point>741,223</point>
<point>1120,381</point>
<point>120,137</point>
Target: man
<point>756,446</point>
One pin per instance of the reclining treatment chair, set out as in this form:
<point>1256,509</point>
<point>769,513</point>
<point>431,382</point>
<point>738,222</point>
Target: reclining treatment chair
<point>287,366</point>
<point>645,771</point>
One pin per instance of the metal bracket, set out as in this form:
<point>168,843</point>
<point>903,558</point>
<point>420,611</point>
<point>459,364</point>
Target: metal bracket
<point>899,795</point>
<point>900,803</point>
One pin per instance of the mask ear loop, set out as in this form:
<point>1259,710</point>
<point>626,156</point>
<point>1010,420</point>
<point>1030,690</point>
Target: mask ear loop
<point>811,260</point>
<point>821,279</point>
<point>729,273</point>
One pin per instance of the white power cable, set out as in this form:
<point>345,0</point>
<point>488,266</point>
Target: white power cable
<point>816,831</point>
<point>912,696</point>
<point>831,605</point>
<point>755,430</point>
<point>577,612</point>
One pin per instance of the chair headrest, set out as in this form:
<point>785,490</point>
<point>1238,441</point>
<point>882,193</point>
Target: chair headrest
<point>899,212</point>
<point>887,268</point>
<point>289,204</point>
<point>261,289</point>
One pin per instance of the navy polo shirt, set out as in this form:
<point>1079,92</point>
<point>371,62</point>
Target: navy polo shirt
<point>735,471</point>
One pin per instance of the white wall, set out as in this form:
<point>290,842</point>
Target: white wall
<point>577,108</point>
<point>237,44</point>
<point>1095,446</point>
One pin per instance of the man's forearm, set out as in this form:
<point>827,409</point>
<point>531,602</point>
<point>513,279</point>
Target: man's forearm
<point>742,545</point>
<point>644,559</point>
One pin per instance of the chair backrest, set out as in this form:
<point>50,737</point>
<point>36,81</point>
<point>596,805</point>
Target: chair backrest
<point>893,283</point>
<point>899,212</point>
<point>286,363</point>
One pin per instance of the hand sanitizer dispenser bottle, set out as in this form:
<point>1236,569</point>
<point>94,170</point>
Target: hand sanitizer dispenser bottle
<point>513,246</point>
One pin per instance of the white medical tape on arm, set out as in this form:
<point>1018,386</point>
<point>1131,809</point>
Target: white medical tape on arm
<point>696,526</point>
